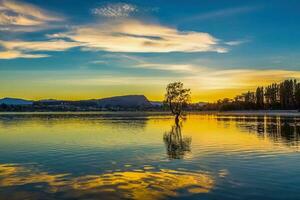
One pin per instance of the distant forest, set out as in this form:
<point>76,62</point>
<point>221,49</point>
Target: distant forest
<point>282,96</point>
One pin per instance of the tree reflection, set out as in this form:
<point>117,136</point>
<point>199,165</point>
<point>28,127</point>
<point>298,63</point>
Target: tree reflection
<point>176,145</point>
<point>285,130</point>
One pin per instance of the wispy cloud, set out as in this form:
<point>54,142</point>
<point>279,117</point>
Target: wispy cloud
<point>138,36</point>
<point>221,13</point>
<point>115,10</point>
<point>20,16</point>
<point>52,45</point>
<point>236,42</point>
<point>98,62</point>
<point>17,54</point>
<point>242,79</point>
<point>141,63</point>
<point>168,67</point>
<point>116,80</point>
<point>208,85</point>
<point>22,49</point>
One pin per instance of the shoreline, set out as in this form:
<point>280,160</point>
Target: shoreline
<point>291,113</point>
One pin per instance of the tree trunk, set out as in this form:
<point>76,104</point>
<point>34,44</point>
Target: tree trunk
<point>177,119</point>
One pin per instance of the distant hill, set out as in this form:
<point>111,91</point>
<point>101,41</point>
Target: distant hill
<point>156,103</point>
<point>201,104</point>
<point>128,101</point>
<point>117,103</point>
<point>15,101</point>
<point>125,101</point>
<point>48,100</point>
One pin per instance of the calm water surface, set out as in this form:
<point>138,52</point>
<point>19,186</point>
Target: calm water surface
<point>126,156</point>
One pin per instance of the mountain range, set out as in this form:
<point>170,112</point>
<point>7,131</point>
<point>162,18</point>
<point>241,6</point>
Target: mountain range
<point>122,101</point>
<point>15,101</point>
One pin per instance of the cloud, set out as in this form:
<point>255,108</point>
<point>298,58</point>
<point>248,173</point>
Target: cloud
<point>242,79</point>
<point>236,42</point>
<point>18,16</point>
<point>136,36</point>
<point>18,54</point>
<point>138,62</point>
<point>111,80</point>
<point>52,45</point>
<point>221,13</point>
<point>168,67</point>
<point>115,10</point>
<point>199,78</point>
<point>99,62</point>
<point>19,49</point>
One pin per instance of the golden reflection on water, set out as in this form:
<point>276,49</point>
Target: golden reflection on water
<point>141,184</point>
<point>15,175</point>
<point>238,134</point>
<point>249,137</point>
<point>227,133</point>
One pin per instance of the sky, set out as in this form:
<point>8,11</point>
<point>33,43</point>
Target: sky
<point>75,49</point>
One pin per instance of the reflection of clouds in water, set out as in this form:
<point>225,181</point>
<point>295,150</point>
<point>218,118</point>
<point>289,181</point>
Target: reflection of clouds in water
<point>143,184</point>
<point>15,175</point>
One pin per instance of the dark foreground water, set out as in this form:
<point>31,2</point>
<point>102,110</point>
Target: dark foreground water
<point>129,156</point>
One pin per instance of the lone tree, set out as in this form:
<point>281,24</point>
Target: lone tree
<point>176,98</point>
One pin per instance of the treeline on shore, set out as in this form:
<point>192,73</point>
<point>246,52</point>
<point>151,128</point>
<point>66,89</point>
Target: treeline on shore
<point>74,107</point>
<point>276,96</point>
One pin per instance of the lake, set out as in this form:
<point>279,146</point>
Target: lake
<point>139,156</point>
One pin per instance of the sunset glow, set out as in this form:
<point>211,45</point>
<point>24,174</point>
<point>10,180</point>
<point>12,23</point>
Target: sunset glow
<point>107,49</point>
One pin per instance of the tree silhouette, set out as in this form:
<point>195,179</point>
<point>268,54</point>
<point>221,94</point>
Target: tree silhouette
<point>176,98</point>
<point>297,95</point>
<point>285,95</point>
<point>259,95</point>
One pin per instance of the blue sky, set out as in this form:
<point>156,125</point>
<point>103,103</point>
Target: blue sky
<point>74,49</point>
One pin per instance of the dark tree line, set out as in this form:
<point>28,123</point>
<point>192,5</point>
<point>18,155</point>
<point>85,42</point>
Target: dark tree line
<point>283,96</point>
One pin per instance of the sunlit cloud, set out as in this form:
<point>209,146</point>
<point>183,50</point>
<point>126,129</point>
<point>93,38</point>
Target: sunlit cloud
<point>17,54</point>
<point>168,67</point>
<point>204,79</point>
<point>52,45</point>
<point>115,10</point>
<point>210,85</point>
<point>141,63</point>
<point>20,16</point>
<point>137,36</point>
<point>22,49</point>
<point>238,79</point>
